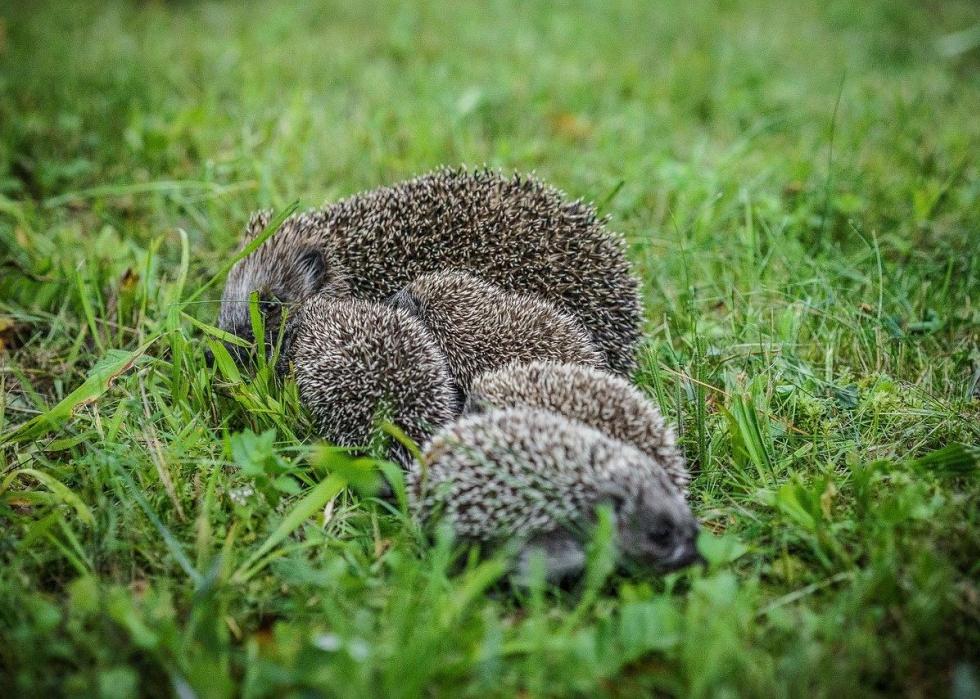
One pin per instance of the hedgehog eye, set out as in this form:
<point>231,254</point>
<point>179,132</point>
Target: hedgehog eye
<point>660,533</point>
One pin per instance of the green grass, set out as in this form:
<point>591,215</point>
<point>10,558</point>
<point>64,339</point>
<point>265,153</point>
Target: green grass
<point>798,184</point>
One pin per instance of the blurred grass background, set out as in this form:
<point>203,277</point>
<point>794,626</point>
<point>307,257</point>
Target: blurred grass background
<point>798,185</point>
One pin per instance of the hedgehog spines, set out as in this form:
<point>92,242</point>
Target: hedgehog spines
<point>593,396</point>
<point>357,362</point>
<point>481,327</point>
<point>515,232</point>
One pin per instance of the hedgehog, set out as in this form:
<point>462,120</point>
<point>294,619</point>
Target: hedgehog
<point>358,362</point>
<point>282,282</point>
<point>481,327</point>
<point>535,477</point>
<point>515,232</point>
<point>601,400</point>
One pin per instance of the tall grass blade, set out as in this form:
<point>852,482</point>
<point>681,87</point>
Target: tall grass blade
<point>302,511</point>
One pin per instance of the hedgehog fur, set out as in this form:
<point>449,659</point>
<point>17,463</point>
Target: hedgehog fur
<point>358,362</point>
<point>601,400</point>
<point>516,232</point>
<point>537,477</point>
<point>481,327</point>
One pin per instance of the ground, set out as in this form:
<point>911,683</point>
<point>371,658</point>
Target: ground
<point>799,189</point>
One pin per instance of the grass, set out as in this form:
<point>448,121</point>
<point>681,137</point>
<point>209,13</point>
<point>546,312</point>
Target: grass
<point>798,184</point>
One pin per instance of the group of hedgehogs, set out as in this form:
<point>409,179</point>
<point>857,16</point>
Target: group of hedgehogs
<point>494,322</point>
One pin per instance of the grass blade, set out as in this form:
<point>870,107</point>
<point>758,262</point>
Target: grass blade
<point>60,490</point>
<point>254,245</point>
<point>176,550</point>
<point>100,379</point>
<point>313,502</point>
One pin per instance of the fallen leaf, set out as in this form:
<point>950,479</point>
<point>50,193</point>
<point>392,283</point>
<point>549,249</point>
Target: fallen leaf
<point>571,126</point>
<point>7,332</point>
<point>129,280</point>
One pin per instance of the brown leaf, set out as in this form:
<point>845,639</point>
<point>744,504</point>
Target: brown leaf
<point>571,126</point>
<point>380,546</point>
<point>827,498</point>
<point>791,189</point>
<point>8,333</point>
<point>129,281</point>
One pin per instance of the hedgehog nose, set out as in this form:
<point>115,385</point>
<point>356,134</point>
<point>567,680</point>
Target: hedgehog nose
<point>686,552</point>
<point>684,555</point>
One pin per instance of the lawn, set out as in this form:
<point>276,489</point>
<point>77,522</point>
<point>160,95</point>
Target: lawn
<point>799,187</point>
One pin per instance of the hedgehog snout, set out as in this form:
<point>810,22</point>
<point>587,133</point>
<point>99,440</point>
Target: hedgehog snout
<point>242,356</point>
<point>664,536</point>
<point>685,551</point>
<point>233,326</point>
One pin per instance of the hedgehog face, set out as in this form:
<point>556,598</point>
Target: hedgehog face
<point>288,268</point>
<point>656,527</point>
<point>293,276</point>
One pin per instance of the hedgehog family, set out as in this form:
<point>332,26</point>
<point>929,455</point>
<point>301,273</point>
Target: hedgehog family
<point>492,321</point>
<point>538,477</point>
<point>515,232</point>
<point>412,360</point>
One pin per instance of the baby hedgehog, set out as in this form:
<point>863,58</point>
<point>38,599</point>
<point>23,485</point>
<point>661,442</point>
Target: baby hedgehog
<point>481,327</point>
<point>538,477</point>
<point>597,398</point>
<point>358,362</point>
<point>515,232</point>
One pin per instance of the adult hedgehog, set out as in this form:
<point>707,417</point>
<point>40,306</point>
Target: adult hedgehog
<point>517,232</point>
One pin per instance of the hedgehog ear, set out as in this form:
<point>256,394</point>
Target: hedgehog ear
<point>615,496</point>
<point>313,263</point>
<point>405,301</point>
